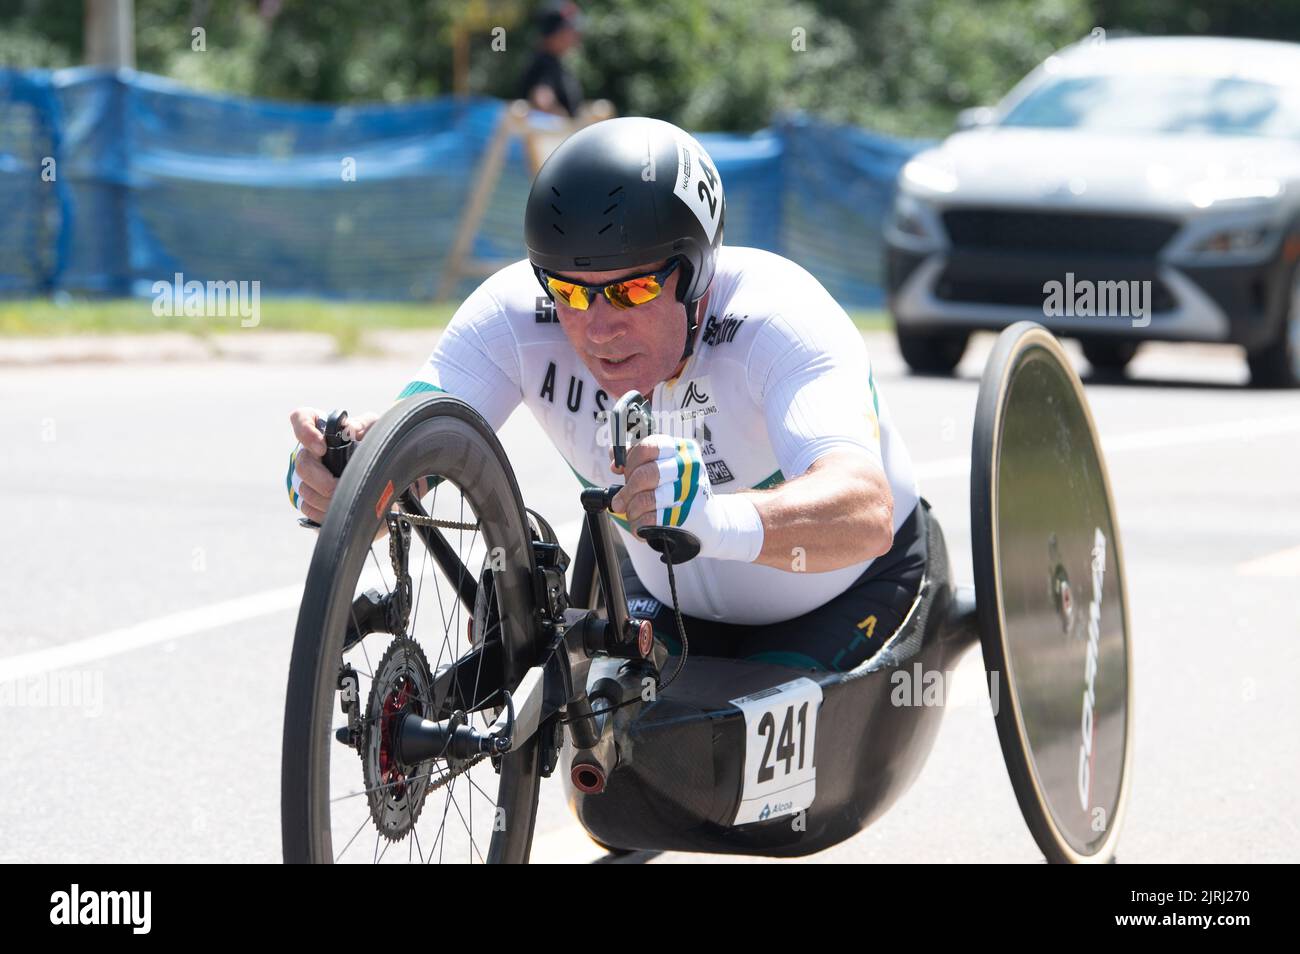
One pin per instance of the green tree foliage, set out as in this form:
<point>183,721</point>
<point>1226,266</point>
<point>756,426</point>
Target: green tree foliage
<point>704,65</point>
<point>35,34</point>
<point>907,66</point>
<point>901,66</point>
<point>337,51</point>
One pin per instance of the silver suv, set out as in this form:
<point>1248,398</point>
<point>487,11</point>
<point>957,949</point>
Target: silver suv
<point>1126,190</point>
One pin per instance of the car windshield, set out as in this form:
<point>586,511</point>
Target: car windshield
<point>1161,104</point>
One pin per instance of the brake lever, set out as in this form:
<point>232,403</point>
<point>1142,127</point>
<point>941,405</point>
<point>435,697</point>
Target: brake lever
<point>338,446</point>
<point>338,450</point>
<point>630,422</point>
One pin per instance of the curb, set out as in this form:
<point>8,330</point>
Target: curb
<point>272,347</point>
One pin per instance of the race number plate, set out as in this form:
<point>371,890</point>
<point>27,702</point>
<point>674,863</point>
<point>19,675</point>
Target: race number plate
<point>698,185</point>
<point>1049,578</point>
<point>780,742</point>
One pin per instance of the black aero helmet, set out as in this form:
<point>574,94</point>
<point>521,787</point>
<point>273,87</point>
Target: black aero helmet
<point>627,192</point>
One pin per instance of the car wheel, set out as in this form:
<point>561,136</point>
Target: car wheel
<point>1278,364</point>
<point>936,352</point>
<point>1109,357</point>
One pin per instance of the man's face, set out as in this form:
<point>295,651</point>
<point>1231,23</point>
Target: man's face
<point>629,349</point>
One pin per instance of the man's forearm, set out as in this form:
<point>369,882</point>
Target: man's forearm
<point>839,512</point>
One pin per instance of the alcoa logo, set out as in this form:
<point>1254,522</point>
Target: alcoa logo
<point>769,808</point>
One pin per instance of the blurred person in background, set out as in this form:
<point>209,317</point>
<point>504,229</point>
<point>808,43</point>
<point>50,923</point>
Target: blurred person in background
<point>548,84</point>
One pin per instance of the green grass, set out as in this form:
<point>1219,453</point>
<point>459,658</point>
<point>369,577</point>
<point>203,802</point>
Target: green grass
<point>135,315</point>
<point>345,321</point>
<point>871,320</point>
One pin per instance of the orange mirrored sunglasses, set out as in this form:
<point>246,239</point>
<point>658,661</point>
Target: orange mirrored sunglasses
<point>625,293</point>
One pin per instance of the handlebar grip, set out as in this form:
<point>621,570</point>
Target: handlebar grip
<point>629,423</point>
<point>338,446</point>
<point>596,499</point>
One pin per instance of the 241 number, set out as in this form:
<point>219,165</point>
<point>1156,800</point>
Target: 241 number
<point>785,746</point>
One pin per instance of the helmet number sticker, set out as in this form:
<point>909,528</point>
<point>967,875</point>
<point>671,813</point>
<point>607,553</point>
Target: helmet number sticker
<point>698,185</point>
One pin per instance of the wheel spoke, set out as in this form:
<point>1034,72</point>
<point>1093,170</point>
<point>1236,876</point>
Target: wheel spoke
<point>352,839</point>
<point>451,795</point>
<point>380,569</point>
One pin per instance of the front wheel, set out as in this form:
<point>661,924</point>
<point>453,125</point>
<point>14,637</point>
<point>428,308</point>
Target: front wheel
<point>1278,364</point>
<point>933,352</point>
<point>388,630</point>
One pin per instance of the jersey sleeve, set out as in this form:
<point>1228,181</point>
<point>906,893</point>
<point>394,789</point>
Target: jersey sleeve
<point>476,360</point>
<point>814,383</point>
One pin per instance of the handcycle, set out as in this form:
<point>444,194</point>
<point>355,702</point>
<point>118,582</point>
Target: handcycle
<point>396,756</point>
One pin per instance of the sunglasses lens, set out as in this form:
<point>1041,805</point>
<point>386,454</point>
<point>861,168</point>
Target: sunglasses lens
<point>575,296</point>
<point>622,295</point>
<point>638,291</point>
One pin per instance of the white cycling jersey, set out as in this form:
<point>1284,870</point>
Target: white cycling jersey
<point>779,376</point>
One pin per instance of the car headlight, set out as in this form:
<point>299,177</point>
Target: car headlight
<point>1210,192</point>
<point>930,175</point>
<point>907,221</point>
<point>1233,240</point>
<point>915,219</point>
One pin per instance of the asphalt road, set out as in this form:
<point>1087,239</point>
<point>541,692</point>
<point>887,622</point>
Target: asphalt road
<point>152,570</point>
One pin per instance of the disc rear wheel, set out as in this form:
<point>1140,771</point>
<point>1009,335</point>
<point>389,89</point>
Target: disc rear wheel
<point>1051,597</point>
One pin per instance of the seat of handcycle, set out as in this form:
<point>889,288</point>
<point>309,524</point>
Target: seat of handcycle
<point>690,765</point>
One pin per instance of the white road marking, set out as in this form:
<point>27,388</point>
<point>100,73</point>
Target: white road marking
<point>185,623</point>
<point>189,622</point>
<point>1284,563</point>
<point>160,630</point>
<point>1243,429</point>
<point>1247,428</point>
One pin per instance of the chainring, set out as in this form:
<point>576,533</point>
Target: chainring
<point>403,683</point>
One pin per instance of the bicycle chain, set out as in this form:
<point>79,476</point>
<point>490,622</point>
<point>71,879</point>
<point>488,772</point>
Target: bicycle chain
<point>436,522</point>
<point>451,773</point>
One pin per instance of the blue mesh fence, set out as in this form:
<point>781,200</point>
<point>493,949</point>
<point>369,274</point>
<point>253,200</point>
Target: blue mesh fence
<point>110,182</point>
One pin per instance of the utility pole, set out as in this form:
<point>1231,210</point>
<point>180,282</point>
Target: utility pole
<point>110,43</point>
<point>110,33</point>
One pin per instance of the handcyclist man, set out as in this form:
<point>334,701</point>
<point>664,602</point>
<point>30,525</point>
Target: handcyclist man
<point>773,443</point>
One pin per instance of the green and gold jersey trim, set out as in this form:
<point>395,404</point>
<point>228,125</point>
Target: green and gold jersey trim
<point>418,387</point>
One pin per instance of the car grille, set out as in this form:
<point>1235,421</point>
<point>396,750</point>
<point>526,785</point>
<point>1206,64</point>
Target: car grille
<point>1026,292</point>
<point>1057,231</point>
